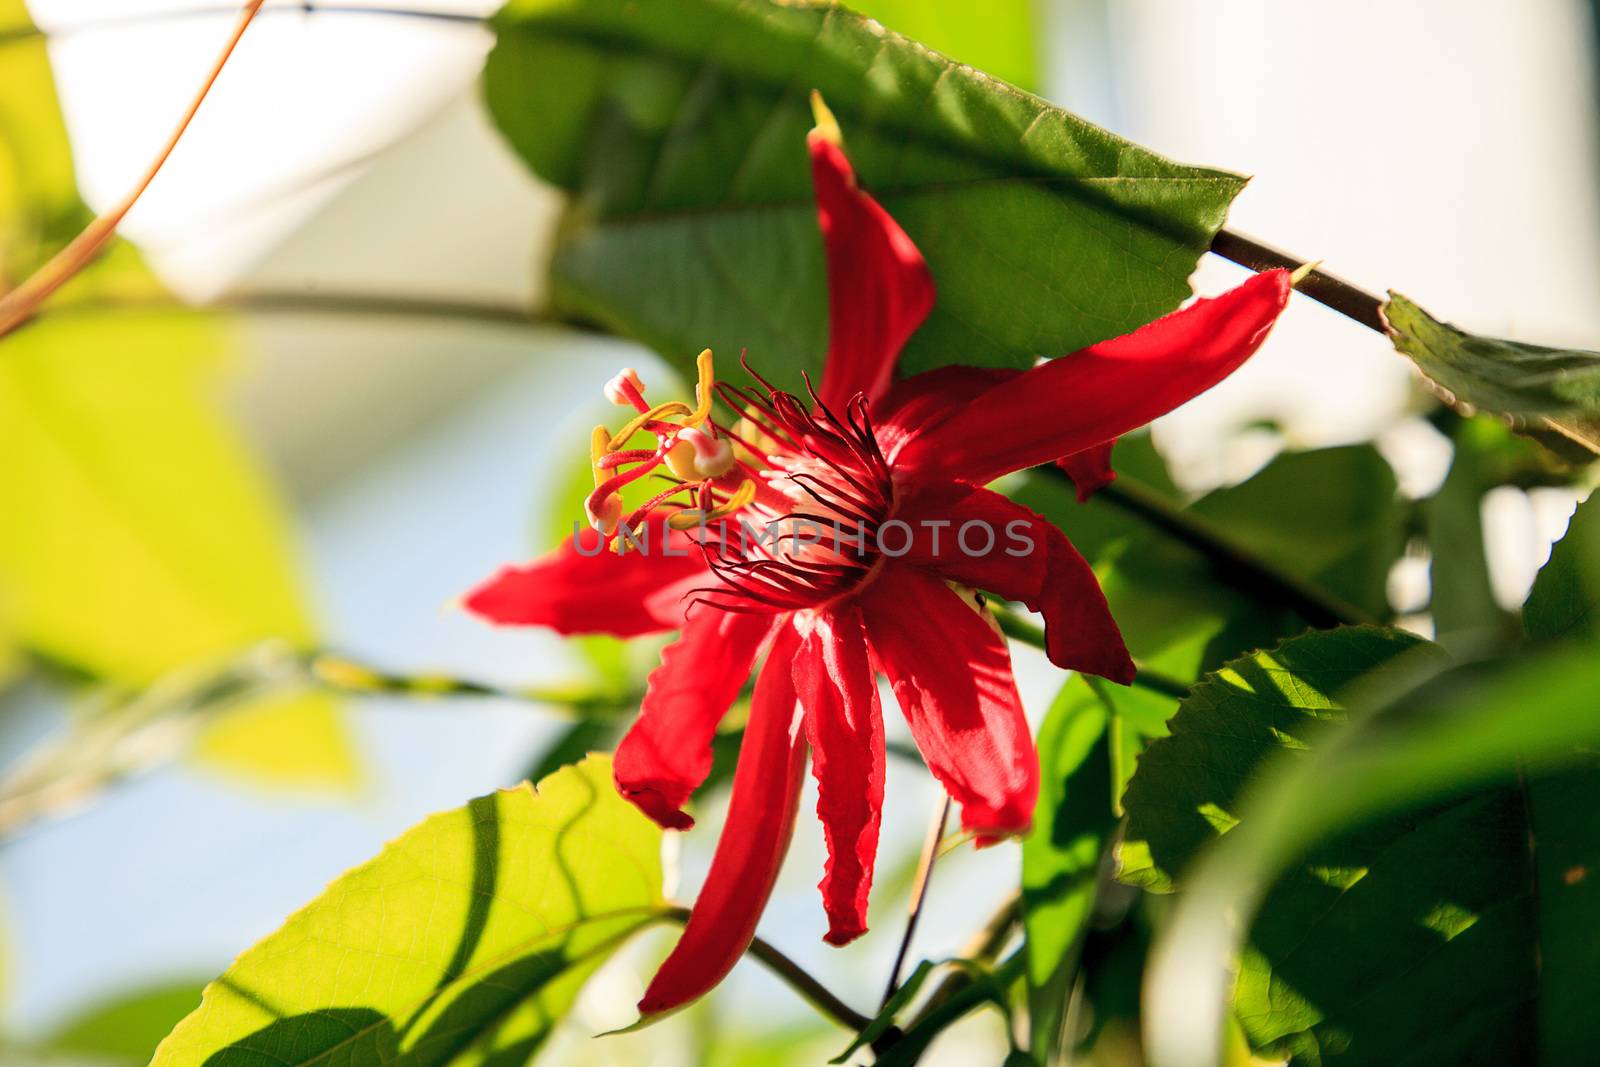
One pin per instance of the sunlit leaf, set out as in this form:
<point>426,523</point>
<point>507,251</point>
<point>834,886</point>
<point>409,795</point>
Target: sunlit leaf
<point>463,942</point>
<point>1551,393</point>
<point>680,131</point>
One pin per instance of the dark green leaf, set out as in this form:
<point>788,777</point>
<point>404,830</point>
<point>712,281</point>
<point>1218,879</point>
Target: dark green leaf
<point>1399,886</point>
<point>1188,785</point>
<point>1551,393</point>
<point>1061,858</point>
<point>461,944</point>
<point>1566,594</point>
<point>680,131</point>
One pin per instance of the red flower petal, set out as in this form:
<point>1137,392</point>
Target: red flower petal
<point>879,288</point>
<point>1090,470</point>
<point>834,679</point>
<point>917,404</point>
<point>1069,404</point>
<point>761,812</point>
<point>666,754</point>
<point>1027,559</point>
<point>951,673</point>
<point>582,588</point>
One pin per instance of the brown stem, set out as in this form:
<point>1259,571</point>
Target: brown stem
<point>919,894</point>
<point>18,305</point>
<point>1348,300</point>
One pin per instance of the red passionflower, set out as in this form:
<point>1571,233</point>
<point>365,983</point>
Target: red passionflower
<point>869,454</point>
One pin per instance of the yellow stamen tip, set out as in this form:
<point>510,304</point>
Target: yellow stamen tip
<point>826,126</point>
<point>704,389</point>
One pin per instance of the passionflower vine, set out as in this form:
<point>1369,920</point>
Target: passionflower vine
<point>889,476</point>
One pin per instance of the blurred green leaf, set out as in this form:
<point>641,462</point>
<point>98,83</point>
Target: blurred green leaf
<point>140,537</point>
<point>126,1028</point>
<point>1407,846</point>
<point>996,37</point>
<point>680,131</point>
<point>1551,393</point>
<point>1462,602</point>
<point>1061,858</point>
<point>463,942</point>
<point>1565,597</point>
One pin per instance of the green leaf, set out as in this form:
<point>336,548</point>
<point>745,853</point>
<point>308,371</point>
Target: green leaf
<point>1403,844</point>
<point>1188,787</point>
<point>997,36</point>
<point>462,942</point>
<point>1061,858</point>
<point>680,131</point>
<point>1552,394</point>
<point>1566,594</point>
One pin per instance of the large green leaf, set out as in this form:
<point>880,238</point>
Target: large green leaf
<point>463,942</point>
<point>1409,871</point>
<point>1552,393</point>
<point>680,131</point>
<point>1061,857</point>
<point>140,537</point>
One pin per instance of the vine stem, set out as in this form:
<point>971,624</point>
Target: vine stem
<point>124,735</point>
<point>1348,300</point>
<point>17,306</point>
<point>1236,564</point>
<point>919,895</point>
<point>797,977</point>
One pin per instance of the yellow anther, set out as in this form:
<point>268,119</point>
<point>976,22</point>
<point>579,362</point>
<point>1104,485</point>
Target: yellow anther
<point>704,389</point>
<point>599,445</point>
<point>635,424</point>
<point>827,127</point>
